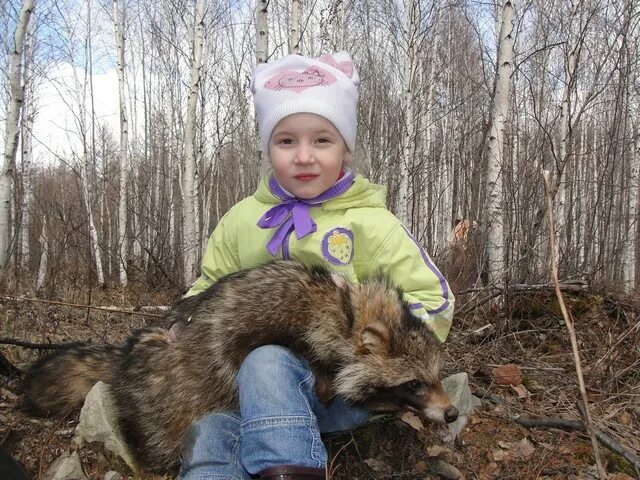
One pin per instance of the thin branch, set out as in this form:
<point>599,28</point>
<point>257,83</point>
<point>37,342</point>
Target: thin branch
<point>75,305</point>
<point>569,323</point>
<point>565,424</point>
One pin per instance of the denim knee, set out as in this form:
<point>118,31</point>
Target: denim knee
<point>210,449</point>
<point>277,397</point>
<point>271,362</point>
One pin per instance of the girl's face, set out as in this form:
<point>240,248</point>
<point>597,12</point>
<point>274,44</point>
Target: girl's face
<point>307,153</point>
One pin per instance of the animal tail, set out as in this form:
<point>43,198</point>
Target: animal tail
<point>57,384</point>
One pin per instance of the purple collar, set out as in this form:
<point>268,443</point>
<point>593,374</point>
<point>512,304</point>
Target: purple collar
<point>293,213</point>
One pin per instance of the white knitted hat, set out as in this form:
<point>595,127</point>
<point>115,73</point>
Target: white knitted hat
<point>326,86</point>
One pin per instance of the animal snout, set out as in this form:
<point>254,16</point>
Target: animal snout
<point>451,414</point>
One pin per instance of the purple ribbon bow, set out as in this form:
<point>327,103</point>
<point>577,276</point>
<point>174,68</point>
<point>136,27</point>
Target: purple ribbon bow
<point>293,212</point>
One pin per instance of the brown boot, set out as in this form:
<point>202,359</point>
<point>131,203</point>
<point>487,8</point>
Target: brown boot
<point>293,472</point>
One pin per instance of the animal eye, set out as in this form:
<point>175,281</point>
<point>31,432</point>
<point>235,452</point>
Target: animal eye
<point>414,385</point>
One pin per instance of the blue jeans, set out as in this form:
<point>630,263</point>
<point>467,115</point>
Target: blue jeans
<point>279,422</point>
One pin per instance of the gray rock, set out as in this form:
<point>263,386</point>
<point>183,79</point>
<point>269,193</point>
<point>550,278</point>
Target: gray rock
<point>113,475</point>
<point>444,470</point>
<point>66,467</point>
<point>98,424</point>
<point>457,388</point>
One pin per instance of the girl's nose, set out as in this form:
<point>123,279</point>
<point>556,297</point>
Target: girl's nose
<point>304,153</point>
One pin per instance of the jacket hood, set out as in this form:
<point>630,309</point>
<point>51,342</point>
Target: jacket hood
<point>362,193</point>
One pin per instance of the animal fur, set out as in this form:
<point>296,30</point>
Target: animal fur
<point>360,339</point>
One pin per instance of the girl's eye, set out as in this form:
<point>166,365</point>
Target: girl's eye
<point>324,140</point>
<point>285,141</point>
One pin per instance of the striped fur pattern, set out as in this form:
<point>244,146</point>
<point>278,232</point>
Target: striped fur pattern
<point>360,339</point>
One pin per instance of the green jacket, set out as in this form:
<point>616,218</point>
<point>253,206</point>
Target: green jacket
<point>354,235</point>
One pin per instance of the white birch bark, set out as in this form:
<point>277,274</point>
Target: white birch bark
<point>44,256</point>
<point>262,31</point>
<point>294,37</point>
<point>27,151</point>
<point>93,231</point>
<point>565,134</point>
<point>582,198</point>
<point>118,23</point>
<point>427,131</point>
<point>629,254</point>
<point>495,147</point>
<point>84,160</point>
<point>190,194</point>
<point>11,132</point>
<point>410,32</point>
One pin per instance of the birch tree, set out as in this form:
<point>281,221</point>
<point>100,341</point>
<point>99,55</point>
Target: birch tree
<point>26,136</point>
<point>262,31</point>
<point>118,22</point>
<point>294,39</point>
<point>495,147</point>
<point>565,130</point>
<point>633,190</point>
<point>190,193</point>
<point>410,34</point>
<point>84,158</point>
<point>11,132</point>
<point>44,256</point>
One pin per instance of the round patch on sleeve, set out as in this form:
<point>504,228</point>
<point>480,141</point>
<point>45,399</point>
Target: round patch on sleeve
<point>337,246</point>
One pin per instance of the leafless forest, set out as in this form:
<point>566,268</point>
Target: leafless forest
<point>129,131</point>
<point>463,104</point>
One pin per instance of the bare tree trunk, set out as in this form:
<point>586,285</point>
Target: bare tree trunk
<point>124,135</point>
<point>630,259</point>
<point>495,147</point>
<point>12,132</point>
<point>27,150</point>
<point>44,256</point>
<point>565,134</point>
<point>427,132</point>
<point>633,189</point>
<point>262,31</point>
<point>190,194</point>
<point>294,39</point>
<point>410,27</point>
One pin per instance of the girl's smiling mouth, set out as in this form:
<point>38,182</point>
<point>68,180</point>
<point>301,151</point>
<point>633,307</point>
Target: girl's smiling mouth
<point>306,177</point>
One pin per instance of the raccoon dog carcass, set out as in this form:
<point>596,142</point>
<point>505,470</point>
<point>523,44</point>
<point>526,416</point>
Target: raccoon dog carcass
<point>360,339</point>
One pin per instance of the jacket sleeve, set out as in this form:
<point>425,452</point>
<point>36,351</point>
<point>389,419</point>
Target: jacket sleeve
<point>221,256</point>
<point>411,268</point>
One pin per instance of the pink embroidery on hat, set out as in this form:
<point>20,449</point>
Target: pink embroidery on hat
<point>299,81</point>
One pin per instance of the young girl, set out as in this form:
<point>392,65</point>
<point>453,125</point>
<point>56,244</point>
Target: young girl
<point>310,208</point>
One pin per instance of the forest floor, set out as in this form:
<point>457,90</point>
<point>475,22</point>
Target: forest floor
<point>528,331</point>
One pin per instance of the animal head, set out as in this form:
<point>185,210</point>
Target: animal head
<point>397,358</point>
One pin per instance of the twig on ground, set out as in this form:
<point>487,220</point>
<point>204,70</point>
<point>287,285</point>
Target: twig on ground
<point>332,467</point>
<point>545,369</point>
<point>36,346</point>
<point>569,323</point>
<point>484,395</point>
<point>565,424</point>
<point>75,305</point>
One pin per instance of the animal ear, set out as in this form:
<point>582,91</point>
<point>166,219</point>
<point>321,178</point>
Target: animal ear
<point>375,339</point>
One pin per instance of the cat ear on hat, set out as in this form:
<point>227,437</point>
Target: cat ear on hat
<point>343,62</point>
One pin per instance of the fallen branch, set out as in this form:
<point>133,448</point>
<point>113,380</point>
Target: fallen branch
<point>565,285</point>
<point>577,425</point>
<point>37,346</point>
<point>543,369</point>
<point>569,323</point>
<point>75,305</point>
